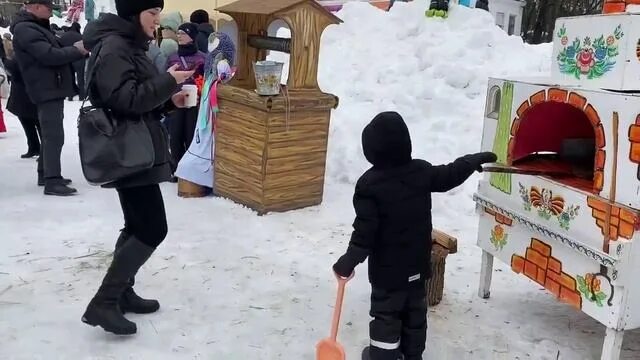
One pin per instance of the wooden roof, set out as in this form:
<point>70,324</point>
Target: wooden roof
<point>270,7</point>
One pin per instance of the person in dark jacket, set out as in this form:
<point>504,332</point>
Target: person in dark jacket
<point>182,123</point>
<point>70,37</point>
<point>46,68</point>
<point>21,106</point>
<point>126,82</point>
<point>393,228</point>
<point>482,4</point>
<point>205,29</point>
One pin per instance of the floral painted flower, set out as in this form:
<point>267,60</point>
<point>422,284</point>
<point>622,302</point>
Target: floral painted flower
<point>587,41</point>
<point>611,40</point>
<point>564,40</point>
<point>586,60</point>
<point>571,52</point>
<point>593,284</point>
<point>498,231</point>
<point>601,53</point>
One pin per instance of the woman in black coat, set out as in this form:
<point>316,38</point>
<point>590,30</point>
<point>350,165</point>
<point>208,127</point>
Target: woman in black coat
<point>21,106</point>
<point>127,83</point>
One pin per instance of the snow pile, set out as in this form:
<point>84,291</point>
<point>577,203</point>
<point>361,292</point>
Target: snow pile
<point>432,71</point>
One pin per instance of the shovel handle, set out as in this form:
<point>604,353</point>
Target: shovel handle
<point>337,311</point>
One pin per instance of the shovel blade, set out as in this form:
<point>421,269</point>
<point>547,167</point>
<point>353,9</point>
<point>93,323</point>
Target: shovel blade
<point>328,349</point>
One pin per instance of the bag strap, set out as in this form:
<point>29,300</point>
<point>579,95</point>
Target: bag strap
<point>184,63</point>
<point>91,72</point>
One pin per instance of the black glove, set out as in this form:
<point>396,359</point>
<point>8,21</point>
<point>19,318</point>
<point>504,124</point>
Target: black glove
<point>479,159</point>
<point>343,267</point>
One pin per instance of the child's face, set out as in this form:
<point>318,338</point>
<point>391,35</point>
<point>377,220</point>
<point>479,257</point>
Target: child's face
<point>183,38</point>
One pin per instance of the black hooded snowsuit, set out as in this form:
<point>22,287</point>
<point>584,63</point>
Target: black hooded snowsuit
<point>393,228</point>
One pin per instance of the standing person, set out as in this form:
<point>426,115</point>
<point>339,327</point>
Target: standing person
<point>46,68</point>
<point>393,228</point>
<point>125,82</point>
<point>182,123</point>
<point>70,37</point>
<point>205,29</point>
<point>7,43</point>
<point>21,106</point>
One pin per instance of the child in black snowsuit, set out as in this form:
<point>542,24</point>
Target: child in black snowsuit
<point>393,228</point>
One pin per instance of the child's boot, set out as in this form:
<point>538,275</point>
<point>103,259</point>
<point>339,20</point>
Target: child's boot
<point>380,355</point>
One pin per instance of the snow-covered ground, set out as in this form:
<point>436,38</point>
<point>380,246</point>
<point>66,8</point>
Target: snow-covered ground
<point>237,286</point>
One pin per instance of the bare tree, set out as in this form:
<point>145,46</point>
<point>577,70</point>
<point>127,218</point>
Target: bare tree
<point>540,16</point>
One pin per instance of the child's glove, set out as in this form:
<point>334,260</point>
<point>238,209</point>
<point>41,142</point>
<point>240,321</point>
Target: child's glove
<point>342,267</point>
<point>479,159</point>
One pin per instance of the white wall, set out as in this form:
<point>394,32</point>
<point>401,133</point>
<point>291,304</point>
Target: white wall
<point>508,8</point>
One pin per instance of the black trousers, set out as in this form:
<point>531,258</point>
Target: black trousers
<point>182,126</point>
<point>144,213</point>
<point>31,128</point>
<point>78,69</point>
<point>399,324</point>
<point>51,118</point>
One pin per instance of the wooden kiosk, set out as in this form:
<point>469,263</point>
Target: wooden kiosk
<point>270,151</point>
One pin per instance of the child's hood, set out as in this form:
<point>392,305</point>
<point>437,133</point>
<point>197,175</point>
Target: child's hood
<point>386,141</point>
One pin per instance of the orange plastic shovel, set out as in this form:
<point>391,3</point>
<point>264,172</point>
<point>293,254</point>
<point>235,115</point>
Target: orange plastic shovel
<point>330,349</point>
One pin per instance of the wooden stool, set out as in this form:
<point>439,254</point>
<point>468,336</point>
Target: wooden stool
<point>187,189</point>
<point>443,245</point>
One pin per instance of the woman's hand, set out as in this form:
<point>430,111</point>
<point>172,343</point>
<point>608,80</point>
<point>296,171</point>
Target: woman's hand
<point>180,99</point>
<point>180,76</point>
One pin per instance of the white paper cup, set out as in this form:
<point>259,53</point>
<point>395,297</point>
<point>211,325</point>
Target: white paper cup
<point>191,99</point>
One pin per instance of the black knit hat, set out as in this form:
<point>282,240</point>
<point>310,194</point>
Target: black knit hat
<point>189,29</point>
<point>199,17</point>
<point>129,8</point>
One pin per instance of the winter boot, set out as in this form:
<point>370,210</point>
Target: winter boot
<point>130,302</point>
<point>366,354</point>
<point>41,180</point>
<point>104,308</point>
<point>30,154</point>
<point>58,187</point>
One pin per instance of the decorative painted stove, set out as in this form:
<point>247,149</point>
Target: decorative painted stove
<point>575,230</point>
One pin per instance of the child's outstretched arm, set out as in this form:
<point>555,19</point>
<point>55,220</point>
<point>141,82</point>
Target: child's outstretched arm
<point>446,177</point>
<point>363,237</point>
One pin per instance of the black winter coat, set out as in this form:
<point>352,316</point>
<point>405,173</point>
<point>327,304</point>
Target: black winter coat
<point>19,103</point>
<point>44,63</point>
<point>127,83</point>
<point>392,202</point>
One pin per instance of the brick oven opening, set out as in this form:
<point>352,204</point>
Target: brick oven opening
<point>559,138</point>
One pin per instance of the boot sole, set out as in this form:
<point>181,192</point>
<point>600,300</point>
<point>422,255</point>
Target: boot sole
<point>50,193</point>
<point>109,330</point>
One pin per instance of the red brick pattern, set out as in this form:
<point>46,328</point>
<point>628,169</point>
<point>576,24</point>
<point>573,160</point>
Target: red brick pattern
<point>634,138</point>
<point>622,221</point>
<point>616,6</point>
<point>580,102</point>
<point>539,266</point>
<point>500,219</point>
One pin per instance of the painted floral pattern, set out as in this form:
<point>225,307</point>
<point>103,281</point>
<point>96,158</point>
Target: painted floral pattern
<point>547,205</point>
<point>589,286</point>
<point>590,58</point>
<point>498,237</point>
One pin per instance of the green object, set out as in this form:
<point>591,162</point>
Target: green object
<point>588,58</point>
<point>57,14</point>
<point>502,181</point>
<point>436,13</point>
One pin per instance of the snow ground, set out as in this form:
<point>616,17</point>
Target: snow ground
<point>237,286</point>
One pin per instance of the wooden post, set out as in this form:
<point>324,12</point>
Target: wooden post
<point>612,344</point>
<point>485,275</point>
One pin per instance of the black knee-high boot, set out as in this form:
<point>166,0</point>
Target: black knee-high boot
<point>130,301</point>
<point>104,309</point>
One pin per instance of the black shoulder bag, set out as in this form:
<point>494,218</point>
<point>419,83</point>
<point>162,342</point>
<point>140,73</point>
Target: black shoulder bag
<point>111,149</point>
